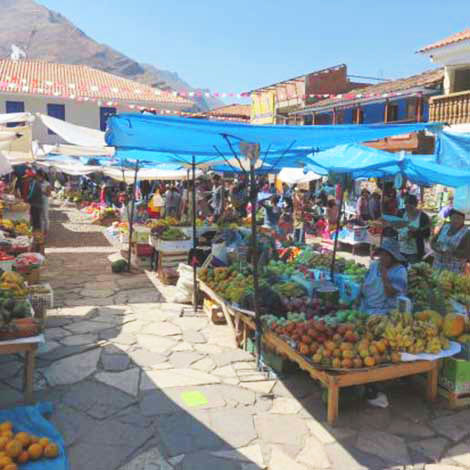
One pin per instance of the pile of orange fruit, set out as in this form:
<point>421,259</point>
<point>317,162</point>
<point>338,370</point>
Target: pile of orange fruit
<point>19,448</point>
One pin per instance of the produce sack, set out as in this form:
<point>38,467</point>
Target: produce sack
<point>31,419</point>
<point>185,284</point>
<point>28,261</point>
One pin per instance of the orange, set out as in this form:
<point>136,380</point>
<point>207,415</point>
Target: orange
<point>23,457</point>
<point>24,438</point>
<point>6,426</point>
<point>51,451</point>
<point>10,466</point>
<point>3,442</point>
<point>13,449</point>
<point>5,461</point>
<point>44,442</point>
<point>35,451</point>
<point>7,434</point>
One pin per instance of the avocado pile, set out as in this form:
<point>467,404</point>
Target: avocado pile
<point>11,309</point>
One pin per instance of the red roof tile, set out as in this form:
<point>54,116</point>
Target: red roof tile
<point>424,79</point>
<point>231,110</point>
<point>78,81</point>
<point>462,36</point>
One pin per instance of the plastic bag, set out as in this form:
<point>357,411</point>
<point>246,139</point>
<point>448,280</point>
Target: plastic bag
<point>185,284</point>
<point>30,260</point>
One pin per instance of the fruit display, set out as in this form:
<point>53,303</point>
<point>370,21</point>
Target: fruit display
<point>12,285</point>
<point>350,339</point>
<point>281,269</point>
<point>289,289</point>
<point>20,448</point>
<point>172,234</point>
<point>405,333</point>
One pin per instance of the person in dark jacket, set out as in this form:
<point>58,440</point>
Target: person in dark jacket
<point>34,199</point>
<point>414,231</point>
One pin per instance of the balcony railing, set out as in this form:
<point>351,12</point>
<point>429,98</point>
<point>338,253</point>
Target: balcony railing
<point>452,109</point>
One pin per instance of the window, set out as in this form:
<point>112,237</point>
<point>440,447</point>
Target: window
<point>56,111</point>
<point>308,119</point>
<point>14,107</point>
<point>412,109</point>
<point>105,113</point>
<point>323,118</point>
<point>358,115</point>
<point>461,80</point>
<point>392,112</point>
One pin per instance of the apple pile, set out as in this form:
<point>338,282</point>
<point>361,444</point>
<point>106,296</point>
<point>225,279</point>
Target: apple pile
<point>343,346</point>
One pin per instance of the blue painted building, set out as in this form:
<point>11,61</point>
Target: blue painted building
<point>403,100</point>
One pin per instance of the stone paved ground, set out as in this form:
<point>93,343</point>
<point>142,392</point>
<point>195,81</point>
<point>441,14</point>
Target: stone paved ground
<point>137,387</point>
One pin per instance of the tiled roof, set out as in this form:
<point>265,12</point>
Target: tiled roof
<point>424,79</point>
<point>462,36</point>
<point>231,110</point>
<point>79,82</point>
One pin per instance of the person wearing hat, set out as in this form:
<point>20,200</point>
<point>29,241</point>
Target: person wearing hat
<point>452,244</point>
<point>385,281</point>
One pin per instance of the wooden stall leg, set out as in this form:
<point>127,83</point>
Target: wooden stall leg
<point>28,382</point>
<point>431,386</point>
<point>333,403</point>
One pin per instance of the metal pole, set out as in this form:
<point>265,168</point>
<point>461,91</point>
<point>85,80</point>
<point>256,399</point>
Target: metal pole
<point>338,220</point>
<point>131,222</point>
<point>254,258</point>
<point>187,195</point>
<point>195,295</point>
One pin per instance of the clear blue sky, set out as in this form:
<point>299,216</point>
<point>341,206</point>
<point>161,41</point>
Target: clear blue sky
<point>233,46</point>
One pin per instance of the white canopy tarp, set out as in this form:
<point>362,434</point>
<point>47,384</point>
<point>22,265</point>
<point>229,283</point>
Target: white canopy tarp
<point>297,176</point>
<point>5,166</point>
<point>78,151</point>
<point>10,118</point>
<point>18,150</point>
<point>127,175</point>
<point>70,168</point>
<point>73,134</point>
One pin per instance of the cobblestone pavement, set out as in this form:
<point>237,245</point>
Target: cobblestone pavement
<point>137,387</point>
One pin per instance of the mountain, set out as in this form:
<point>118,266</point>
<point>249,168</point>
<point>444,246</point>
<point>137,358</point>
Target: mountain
<point>47,35</point>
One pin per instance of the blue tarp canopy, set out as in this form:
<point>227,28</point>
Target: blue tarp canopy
<point>170,139</point>
<point>453,149</point>
<point>365,162</point>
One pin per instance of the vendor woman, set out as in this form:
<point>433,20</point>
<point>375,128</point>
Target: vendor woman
<point>385,281</point>
<point>452,244</point>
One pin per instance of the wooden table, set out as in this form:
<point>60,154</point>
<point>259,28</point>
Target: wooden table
<point>242,322</point>
<point>336,380</point>
<point>29,348</point>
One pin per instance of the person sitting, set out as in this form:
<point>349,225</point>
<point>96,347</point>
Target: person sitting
<point>386,279</point>
<point>452,244</point>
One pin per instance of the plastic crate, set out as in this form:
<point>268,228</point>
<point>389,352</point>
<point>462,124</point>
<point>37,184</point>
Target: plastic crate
<point>41,301</point>
<point>454,375</point>
<point>169,246</point>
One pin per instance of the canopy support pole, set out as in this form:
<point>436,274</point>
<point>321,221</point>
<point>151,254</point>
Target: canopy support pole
<point>131,222</point>
<point>187,214</point>
<point>254,258</point>
<point>338,220</point>
<point>193,261</point>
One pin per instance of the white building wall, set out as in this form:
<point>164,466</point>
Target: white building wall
<point>82,113</point>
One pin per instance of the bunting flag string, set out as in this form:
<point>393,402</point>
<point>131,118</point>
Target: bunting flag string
<point>58,89</point>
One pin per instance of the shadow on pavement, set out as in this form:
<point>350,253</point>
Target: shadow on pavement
<point>119,407</point>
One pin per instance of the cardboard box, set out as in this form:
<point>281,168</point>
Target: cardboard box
<point>454,375</point>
